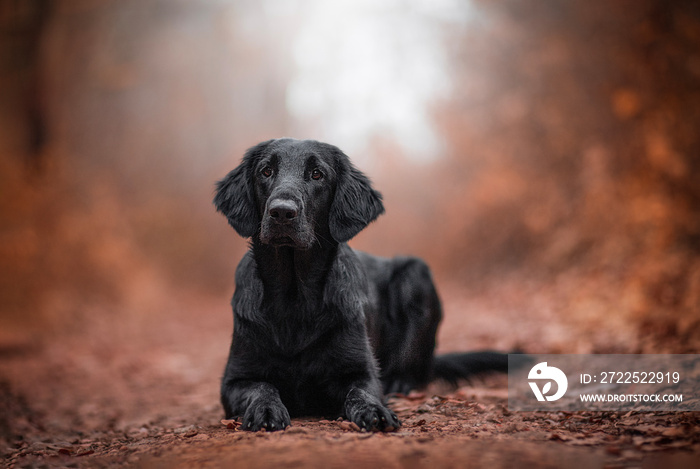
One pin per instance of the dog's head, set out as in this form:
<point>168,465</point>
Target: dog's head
<point>296,193</point>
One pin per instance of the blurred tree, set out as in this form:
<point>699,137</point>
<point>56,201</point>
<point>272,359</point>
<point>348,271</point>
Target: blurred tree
<point>22,136</point>
<point>574,146</point>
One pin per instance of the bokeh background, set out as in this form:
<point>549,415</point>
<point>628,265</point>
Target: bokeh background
<point>543,157</point>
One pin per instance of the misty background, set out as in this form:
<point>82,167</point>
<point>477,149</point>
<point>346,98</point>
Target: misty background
<point>543,157</point>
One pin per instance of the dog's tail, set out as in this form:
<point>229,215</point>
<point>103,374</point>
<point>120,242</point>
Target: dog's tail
<point>452,367</point>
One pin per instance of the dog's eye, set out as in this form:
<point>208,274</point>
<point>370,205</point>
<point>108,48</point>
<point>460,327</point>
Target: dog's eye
<point>266,171</point>
<point>316,174</point>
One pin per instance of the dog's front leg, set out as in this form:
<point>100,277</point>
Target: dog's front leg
<point>259,403</point>
<point>368,412</point>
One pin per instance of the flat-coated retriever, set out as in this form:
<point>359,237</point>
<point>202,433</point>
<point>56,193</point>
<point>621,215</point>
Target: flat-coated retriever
<point>319,328</point>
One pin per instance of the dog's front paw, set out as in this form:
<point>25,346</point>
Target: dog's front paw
<point>269,416</point>
<point>368,413</point>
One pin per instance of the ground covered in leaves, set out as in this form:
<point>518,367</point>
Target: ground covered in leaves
<point>140,390</point>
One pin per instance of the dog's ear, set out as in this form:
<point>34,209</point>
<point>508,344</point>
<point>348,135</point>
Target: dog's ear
<point>234,194</point>
<point>355,204</point>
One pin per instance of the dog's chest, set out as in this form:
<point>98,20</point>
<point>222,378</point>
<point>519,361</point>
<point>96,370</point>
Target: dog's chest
<point>295,326</point>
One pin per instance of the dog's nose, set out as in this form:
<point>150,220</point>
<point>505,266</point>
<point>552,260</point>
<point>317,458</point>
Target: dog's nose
<point>283,210</point>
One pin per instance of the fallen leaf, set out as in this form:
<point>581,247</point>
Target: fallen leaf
<point>674,431</point>
<point>349,426</point>
<point>231,424</point>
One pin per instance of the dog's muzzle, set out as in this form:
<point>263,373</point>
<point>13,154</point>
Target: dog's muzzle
<point>283,210</point>
<point>284,224</point>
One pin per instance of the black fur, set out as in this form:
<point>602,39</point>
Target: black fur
<point>316,321</point>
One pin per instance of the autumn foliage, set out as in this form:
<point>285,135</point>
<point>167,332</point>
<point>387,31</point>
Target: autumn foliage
<point>568,166</point>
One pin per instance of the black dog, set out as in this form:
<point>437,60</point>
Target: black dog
<point>321,329</point>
